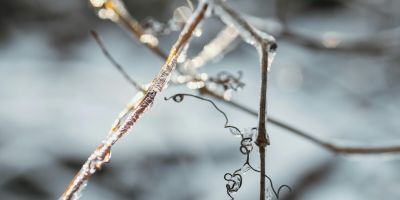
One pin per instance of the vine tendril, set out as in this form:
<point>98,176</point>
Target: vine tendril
<point>235,179</point>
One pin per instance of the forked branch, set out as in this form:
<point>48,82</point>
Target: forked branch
<point>264,43</point>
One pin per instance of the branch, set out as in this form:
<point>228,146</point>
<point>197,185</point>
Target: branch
<point>115,11</point>
<point>102,154</point>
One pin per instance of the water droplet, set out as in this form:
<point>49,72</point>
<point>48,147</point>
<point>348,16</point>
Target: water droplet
<point>235,131</point>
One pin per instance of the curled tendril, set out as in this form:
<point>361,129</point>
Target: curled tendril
<point>179,98</point>
<point>234,182</point>
<point>228,80</point>
<point>246,146</point>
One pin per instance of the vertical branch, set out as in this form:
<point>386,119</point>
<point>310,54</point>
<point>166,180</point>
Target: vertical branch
<point>262,139</point>
<point>261,41</point>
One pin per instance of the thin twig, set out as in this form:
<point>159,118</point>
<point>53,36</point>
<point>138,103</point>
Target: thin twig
<point>114,62</point>
<point>103,153</point>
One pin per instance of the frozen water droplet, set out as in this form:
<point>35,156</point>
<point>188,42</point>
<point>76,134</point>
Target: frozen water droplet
<point>268,193</point>
<point>235,131</point>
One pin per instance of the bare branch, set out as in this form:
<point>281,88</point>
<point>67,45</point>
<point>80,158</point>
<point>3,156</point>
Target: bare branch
<point>102,154</point>
<point>262,138</point>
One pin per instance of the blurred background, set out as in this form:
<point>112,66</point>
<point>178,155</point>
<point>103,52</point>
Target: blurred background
<point>336,76</point>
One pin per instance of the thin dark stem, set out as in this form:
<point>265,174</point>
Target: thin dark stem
<point>114,62</point>
<point>262,140</point>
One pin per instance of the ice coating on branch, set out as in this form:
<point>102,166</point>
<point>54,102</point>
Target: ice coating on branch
<point>182,14</point>
<point>248,33</point>
<point>145,104</point>
<point>163,77</point>
<point>215,49</point>
<point>268,193</point>
<point>270,50</point>
<point>227,19</point>
<point>95,162</point>
<point>77,195</point>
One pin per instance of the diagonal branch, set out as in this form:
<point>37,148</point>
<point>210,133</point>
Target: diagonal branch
<point>115,63</point>
<point>102,154</point>
<point>121,16</point>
